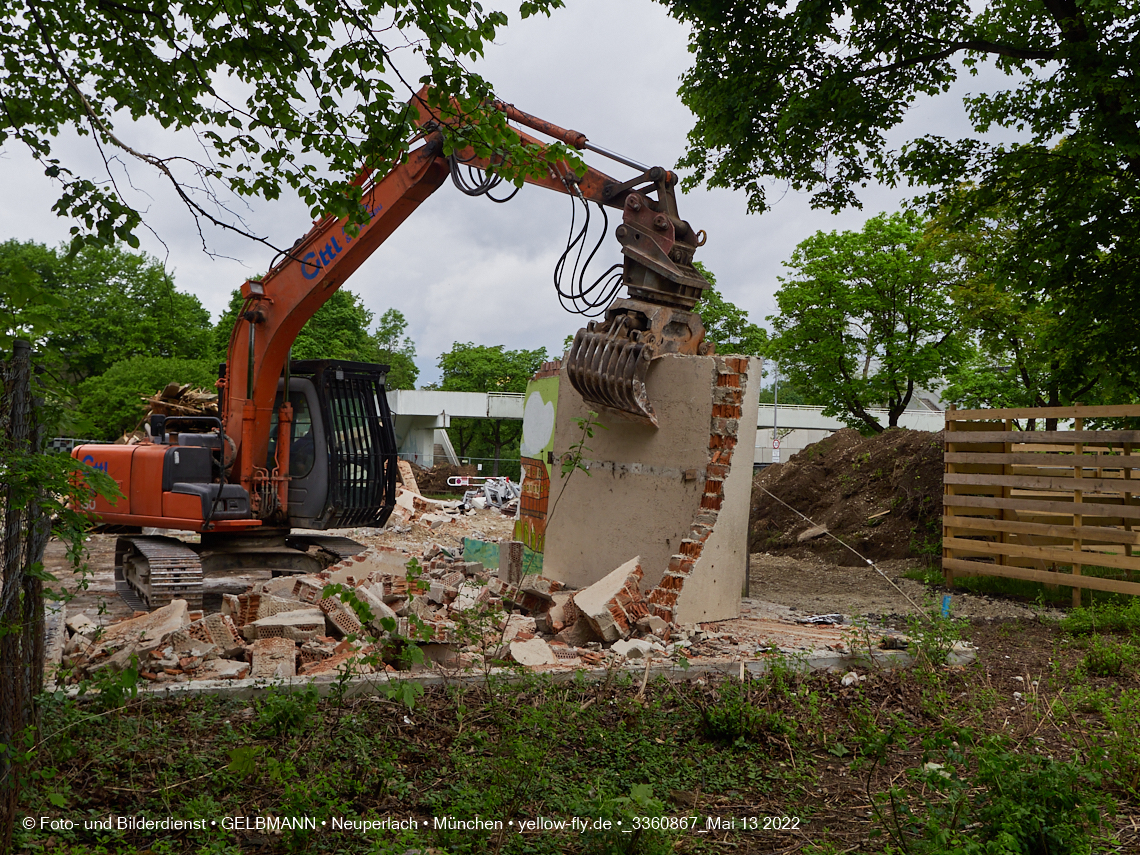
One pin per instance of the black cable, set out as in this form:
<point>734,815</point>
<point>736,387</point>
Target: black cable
<point>477,182</point>
<point>593,299</point>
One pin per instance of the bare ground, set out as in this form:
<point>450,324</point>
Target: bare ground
<point>813,585</point>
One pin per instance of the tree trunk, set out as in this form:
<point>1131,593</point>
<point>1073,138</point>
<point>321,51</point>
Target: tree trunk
<point>24,533</point>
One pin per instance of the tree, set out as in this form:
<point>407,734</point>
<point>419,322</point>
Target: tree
<point>276,95</point>
<point>396,349</point>
<point>808,93</point>
<point>726,325</point>
<point>339,330</point>
<point>482,368</point>
<point>1034,348</point>
<point>866,319</point>
<point>111,404</point>
<point>103,305</point>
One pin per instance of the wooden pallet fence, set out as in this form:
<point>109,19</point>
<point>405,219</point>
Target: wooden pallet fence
<point>1042,505</point>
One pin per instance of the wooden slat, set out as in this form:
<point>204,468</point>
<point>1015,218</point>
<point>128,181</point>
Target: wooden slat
<point>1086,520</point>
<point>975,568</point>
<point>1045,553</point>
<point>978,468</point>
<point>1088,532</point>
<point>1099,437</point>
<point>1040,482</point>
<point>1113,474</point>
<point>1031,458</point>
<point>1029,504</point>
<point>1097,412</point>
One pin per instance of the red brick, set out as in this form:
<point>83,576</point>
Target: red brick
<point>739,365</point>
<point>715,486</point>
<point>732,380</point>
<point>691,548</point>
<point>638,610</point>
<point>712,502</point>
<point>663,597</point>
<point>669,582</point>
<point>717,470</point>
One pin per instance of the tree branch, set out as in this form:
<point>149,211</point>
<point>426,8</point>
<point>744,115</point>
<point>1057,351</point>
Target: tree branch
<point>954,47</point>
<point>149,159</point>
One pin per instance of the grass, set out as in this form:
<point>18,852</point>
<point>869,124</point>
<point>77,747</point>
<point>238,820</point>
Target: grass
<point>851,766</point>
<point>1023,590</point>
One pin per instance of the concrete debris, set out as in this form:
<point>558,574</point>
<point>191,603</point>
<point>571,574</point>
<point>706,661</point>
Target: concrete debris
<point>299,625</point>
<point>533,652</point>
<point>832,619</point>
<point>812,533</point>
<point>273,658</point>
<point>653,625</point>
<point>460,613</point>
<point>407,477</point>
<point>81,624</point>
<point>614,603</point>
<point>634,648</point>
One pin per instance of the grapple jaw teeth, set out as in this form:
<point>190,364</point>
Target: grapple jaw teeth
<point>608,369</point>
<point>609,361</point>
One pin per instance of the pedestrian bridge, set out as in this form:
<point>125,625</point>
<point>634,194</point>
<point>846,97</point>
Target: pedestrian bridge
<point>422,416</point>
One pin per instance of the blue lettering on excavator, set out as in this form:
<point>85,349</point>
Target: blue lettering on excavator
<point>90,461</point>
<point>310,269</point>
<point>312,263</point>
<point>331,251</point>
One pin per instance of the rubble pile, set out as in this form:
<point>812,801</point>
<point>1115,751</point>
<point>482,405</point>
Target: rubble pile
<point>414,509</point>
<point>364,614</point>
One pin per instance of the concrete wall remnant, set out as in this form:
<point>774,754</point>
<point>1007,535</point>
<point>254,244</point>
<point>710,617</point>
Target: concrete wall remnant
<point>670,494</point>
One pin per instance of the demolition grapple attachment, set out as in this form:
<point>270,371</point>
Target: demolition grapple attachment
<point>610,359</point>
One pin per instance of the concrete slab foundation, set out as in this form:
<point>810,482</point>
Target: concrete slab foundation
<point>670,494</point>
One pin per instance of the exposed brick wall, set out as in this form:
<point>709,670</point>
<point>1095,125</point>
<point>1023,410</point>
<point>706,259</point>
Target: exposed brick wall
<point>728,399</point>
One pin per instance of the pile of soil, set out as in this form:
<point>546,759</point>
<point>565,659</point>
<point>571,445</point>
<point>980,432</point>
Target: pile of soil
<point>434,480</point>
<point>881,494</point>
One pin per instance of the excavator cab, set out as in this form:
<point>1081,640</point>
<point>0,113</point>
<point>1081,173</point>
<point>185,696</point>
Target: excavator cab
<point>342,460</point>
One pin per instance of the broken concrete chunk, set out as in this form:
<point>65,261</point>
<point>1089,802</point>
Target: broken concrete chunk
<point>407,477</point>
<point>283,586</point>
<point>380,560</point>
<point>511,561</point>
<point>633,648</point>
<point>606,604</point>
<point>578,634</point>
<point>540,586</point>
<point>532,653</point>
<point>517,624</point>
<point>652,624</point>
<point>470,595</point>
<point>562,609</point>
<point>273,658</point>
<point>293,626</point>
<point>222,669</point>
<point>812,533</point>
<point>148,629</point>
<point>81,624</point>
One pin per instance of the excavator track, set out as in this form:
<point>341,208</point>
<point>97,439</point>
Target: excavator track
<point>157,570</point>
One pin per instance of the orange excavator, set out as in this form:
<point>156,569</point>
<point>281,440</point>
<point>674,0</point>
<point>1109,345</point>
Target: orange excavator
<point>308,446</point>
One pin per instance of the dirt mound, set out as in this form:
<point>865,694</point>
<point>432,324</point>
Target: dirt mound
<point>880,494</point>
<point>434,480</point>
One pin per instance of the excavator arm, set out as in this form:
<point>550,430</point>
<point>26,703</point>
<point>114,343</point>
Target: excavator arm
<point>608,361</point>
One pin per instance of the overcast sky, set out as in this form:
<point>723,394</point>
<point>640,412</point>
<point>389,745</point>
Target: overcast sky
<point>464,269</point>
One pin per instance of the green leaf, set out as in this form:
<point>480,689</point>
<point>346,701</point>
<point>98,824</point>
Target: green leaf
<point>243,760</point>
